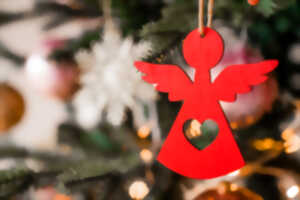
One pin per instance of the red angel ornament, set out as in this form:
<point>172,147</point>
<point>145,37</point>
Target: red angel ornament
<point>201,102</point>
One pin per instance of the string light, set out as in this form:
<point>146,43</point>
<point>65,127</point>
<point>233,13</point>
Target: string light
<point>194,129</point>
<point>234,174</point>
<point>234,187</point>
<point>146,155</point>
<point>292,192</point>
<point>250,120</point>
<point>288,133</point>
<point>61,197</point>
<point>293,145</point>
<point>292,141</point>
<point>253,2</point>
<point>234,125</point>
<point>264,144</point>
<point>144,132</point>
<point>297,104</point>
<point>138,190</point>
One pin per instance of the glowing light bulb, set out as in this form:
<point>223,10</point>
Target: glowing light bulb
<point>253,2</point>
<point>292,192</point>
<point>146,155</point>
<point>138,190</point>
<point>144,132</point>
<point>234,187</point>
<point>250,120</point>
<point>293,145</point>
<point>234,125</point>
<point>235,173</point>
<point>292,141</point>
<point>195,129</point>
<point>264,144</point>
<point>61,197</point>
<point>288,133</point>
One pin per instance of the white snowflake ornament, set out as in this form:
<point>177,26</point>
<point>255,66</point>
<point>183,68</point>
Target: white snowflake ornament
<point>110,83</point>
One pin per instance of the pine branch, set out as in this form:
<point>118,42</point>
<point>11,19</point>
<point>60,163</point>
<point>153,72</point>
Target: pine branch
<point>166,33</point>
<point>71,175</point>
<point>14,152</point>
<point>269,7</point>
<point>6,53</point>
<point>82,42</point>
<point>42,8</point>
<point>13,181</point>
<point>6,17</point>
<point>63,13</point>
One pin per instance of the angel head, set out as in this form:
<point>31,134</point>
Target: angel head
<point>203,51</point>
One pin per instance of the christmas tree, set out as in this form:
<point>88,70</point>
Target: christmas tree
<point>72,62</point>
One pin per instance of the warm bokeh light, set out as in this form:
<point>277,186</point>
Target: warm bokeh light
<point>138,190</point>
<point>297,103</point>
<point>292,145</point>
<point>235,173</point>
<point>250,120</point>
<point>292,141</point>
<point>234,187</point>
<point>146,155</point>
<point>144,132</point>
<point>234,125</point>
<point>292,192</point>
<point>288,133</point>
<point>62,197</point>
<point>194,129</point>
<point>247,170</point>
<point>253,2</point>
<point>265,144</point>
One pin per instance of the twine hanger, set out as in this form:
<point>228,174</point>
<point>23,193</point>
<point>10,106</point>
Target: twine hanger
<point>210,9</point>
<point>107,16</point>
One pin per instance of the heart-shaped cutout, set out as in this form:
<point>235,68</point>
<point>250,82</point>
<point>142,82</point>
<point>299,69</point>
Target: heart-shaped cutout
<point>200,135</point>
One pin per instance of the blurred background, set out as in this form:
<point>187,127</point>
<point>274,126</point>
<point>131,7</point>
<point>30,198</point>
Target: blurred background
<point>78,123</point>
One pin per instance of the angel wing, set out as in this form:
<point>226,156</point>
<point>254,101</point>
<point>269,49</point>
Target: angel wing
<point>237,79</point>
<point>167,78</point>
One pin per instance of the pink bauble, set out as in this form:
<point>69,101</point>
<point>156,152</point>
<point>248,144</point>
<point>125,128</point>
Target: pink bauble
<point>46,193</point>
<point>250,107</point>
<point>50,77</point>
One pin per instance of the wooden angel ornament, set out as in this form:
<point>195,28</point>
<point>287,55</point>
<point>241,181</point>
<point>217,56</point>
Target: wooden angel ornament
<point>201,102</point>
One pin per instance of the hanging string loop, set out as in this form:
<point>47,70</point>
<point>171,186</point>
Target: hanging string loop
<point>210,9</point>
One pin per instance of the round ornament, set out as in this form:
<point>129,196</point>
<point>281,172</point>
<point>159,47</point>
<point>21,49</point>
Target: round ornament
<point>49,193</point>
<point>228,191</point>
<point>12,107</point>
<point>62,197</point>
<point>71,3</point>
<point>249,107</point>
<point>253,2</point>
<point>58,79</point>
